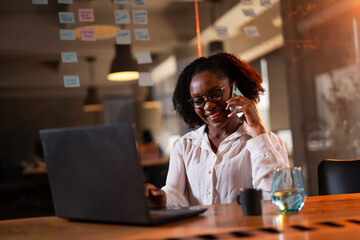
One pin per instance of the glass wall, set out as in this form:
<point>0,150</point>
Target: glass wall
<point>321,50</point>
<point>307,52</point>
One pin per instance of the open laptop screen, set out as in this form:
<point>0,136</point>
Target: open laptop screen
<point>94,173</point>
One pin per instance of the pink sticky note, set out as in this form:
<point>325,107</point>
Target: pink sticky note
<point>86,15</point>
<point>87,34</point>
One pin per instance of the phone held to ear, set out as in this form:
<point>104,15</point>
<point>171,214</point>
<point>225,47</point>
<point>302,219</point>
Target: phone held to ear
<point>232,108</point>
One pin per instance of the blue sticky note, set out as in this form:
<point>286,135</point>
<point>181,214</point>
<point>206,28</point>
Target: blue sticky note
<point>140,16</point>
<point>222,31</point>
<point>122,16</point>
<point>123,37</point>
<point>249,12</point>
<point>139,3</point>
<point>71,81</point>
<point>66,17</point>
<point>39,1</point>
<point>247,2</point>
<point>69,57</point>
<point>142,34</point>
<point>121,1</point>
<point>67,34</point>
<point>265,3</point>
<point>143,57</point>
<point>251,31</point>
<point>65,1</point>
<point>145,79</point>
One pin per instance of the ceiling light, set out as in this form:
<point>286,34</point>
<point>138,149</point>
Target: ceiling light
<point>150,102</point>
<point>123,67</point>
<point>92,102</point>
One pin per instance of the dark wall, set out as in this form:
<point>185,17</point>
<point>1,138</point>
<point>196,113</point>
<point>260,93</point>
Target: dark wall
<point>22,118</point>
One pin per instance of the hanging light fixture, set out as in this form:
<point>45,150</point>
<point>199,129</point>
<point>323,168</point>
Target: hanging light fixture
<point>92,102</point>
<point>123,67</point>
<point>216,46</point>
<point>150,102</point>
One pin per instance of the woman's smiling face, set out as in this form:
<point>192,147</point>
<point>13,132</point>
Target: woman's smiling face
<point>213,114</point>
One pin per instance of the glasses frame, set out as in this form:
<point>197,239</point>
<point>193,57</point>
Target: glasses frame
<point>207,97</point>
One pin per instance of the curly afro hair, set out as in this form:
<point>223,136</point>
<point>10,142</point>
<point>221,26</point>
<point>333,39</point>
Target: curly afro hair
<point>226,65</point>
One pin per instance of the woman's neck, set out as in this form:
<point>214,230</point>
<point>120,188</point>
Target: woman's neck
<point>217,135</point>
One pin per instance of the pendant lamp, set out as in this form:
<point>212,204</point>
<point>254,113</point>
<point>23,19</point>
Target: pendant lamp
<point>92,102</point>
<point>215,47</point>
<point>123,67</point>
<point>150,102</point>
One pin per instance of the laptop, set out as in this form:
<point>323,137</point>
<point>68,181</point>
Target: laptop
<point>95,175</point>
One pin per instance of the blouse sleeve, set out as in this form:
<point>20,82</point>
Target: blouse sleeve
<point>176,179</point>
<point>267,152</point>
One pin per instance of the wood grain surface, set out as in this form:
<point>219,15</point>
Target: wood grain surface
<point>322,217</point>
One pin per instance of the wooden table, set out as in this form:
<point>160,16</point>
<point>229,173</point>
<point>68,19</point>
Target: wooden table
<point>324,217</point>
<point>155,162</point>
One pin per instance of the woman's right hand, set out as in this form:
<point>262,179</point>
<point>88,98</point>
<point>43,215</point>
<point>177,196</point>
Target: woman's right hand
<point>156,197</point>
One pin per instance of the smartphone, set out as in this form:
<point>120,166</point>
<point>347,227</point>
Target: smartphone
<point>232,108</point>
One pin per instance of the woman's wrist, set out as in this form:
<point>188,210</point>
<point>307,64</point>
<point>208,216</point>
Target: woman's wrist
<point>259,129</point>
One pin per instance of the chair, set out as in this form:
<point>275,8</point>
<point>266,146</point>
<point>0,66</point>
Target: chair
<point>339,176</point>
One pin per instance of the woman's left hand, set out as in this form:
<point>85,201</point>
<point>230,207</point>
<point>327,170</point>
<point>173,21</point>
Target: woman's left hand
<point>248,107</point>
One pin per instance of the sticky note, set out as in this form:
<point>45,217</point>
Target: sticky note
<point>247,2</point>
<point>145,79</point>
<point>222,31</point>
<point>39,1</point>
<point>139,3</point>
<point>87,34</point>
<point>122,16</point>
<point>140,17</point>
<point>249,12</point>
<point>69,57</point>
<point>66,17</point>
<point>142,34</point>
<point>251,31</point>
<point>67,34</point>
<point>86,15</point>
<point>121,1</point>
<point>265,3</point>
<point>143,57</point>
<point>71,81</point>
<point>65,1</point>
<point>123,37</point>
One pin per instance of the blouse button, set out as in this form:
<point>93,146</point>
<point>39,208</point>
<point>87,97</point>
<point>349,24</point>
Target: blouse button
<point>209,171</point>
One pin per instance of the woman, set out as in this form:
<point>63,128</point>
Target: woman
<point>210,164</point>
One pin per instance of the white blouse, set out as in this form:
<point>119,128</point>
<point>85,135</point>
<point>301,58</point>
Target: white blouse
<point>198,176</point>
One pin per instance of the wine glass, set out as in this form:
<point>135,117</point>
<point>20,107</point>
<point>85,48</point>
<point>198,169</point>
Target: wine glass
<point>288,191</point>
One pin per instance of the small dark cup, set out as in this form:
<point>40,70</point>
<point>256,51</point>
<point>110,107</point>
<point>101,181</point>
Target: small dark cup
<point>250,201</point>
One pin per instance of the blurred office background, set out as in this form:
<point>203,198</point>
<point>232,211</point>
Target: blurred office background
<point>307,52</point>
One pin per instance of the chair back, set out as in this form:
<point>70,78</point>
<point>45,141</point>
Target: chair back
<point>339,176</point>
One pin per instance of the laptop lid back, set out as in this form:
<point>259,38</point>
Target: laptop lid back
<point>94,173</point>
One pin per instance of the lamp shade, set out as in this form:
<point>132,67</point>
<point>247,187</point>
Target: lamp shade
<point>92,103</point>
<point>123,67</point>
<point>215,47</point>
<point>149,102</point>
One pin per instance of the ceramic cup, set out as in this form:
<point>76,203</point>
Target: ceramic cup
<point>250,201</point>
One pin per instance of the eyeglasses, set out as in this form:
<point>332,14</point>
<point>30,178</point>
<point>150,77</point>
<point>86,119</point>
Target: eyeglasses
<point>214,96</point>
